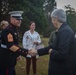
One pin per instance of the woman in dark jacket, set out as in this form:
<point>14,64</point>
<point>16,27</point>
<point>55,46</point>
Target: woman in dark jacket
<point>61,51</point>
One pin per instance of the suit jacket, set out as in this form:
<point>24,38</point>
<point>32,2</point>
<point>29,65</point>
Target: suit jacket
<point>61,57</point>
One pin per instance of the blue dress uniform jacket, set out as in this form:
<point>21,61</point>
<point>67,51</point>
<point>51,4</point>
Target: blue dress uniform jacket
<point>0,37</point>
<point>10,49</point>
<point>61,57</point>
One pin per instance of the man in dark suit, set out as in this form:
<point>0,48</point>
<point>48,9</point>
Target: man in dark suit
<point>61,51</point>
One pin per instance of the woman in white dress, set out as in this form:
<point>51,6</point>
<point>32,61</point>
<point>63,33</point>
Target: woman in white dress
<point>31,39</point>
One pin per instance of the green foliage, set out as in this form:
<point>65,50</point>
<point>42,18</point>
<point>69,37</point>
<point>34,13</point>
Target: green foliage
<point>33,11</point>
<point>71,16</point>
<point>49,6</point>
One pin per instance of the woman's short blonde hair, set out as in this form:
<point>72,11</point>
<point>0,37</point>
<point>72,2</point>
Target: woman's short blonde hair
<point>3,23</point>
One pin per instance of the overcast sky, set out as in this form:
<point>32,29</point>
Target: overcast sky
<point>62,3</point>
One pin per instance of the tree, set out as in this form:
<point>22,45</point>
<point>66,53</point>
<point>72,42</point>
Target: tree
<point>49,6</point>
<point>33,10</point>
<point>71,16</point>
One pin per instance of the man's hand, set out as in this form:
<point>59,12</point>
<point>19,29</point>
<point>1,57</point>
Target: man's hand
<point>19,58</point>
<point>50,51</point>
<point>36,43</point>
<point>32,52</point>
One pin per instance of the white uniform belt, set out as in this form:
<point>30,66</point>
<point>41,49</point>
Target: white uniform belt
<point>3,46</point>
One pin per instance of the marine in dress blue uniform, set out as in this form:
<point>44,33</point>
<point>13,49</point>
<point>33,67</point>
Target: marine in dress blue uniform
<point>9,45</point>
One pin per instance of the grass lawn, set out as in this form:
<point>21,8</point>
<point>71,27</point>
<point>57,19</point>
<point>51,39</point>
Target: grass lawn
<point>42,63</point>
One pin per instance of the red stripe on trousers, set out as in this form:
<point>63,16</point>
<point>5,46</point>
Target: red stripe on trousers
<point>7,72</point>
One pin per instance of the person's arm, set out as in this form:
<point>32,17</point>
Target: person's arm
<point>61,54</point>
<point>10,43</point>
<point>38,39</point>
<point>24,40</point>
<point>43,51</point>
<point>51,37</point>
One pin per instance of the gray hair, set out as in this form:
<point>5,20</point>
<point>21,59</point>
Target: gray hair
<point>60,14</point>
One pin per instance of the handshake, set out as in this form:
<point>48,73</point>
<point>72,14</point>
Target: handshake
<point>32,52</point>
